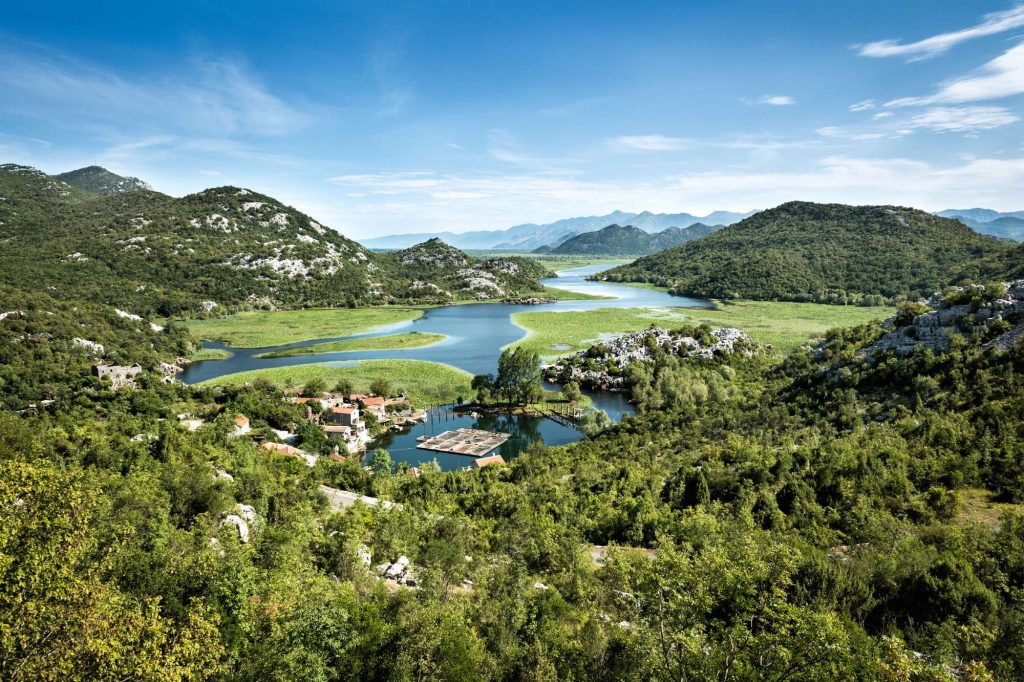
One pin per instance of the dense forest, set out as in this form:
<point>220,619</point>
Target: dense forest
<point>226,247</point>
<point>834,514</point>
<point>826,253</point>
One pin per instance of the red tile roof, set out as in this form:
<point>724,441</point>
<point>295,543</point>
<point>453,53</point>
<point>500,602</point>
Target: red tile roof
<point>481,462</point>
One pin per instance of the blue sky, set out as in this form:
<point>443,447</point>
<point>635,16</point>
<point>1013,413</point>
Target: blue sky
<point>382,117</point>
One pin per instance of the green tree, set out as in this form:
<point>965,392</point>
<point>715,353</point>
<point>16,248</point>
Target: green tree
<point>380,386</point>
<point>571,391</point>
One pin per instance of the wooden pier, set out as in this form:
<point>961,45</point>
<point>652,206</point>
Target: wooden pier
<point>472,442</point>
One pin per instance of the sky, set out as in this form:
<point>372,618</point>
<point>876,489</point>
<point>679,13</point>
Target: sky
<point>387,117</point>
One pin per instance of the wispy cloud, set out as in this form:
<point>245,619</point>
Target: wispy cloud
<point>1001,77</point>
<point>474,201</point>
<point>772,100</point>
<point>961,119</point>
<point>651,143</point>
<point>970,119</point>
<point>863,105</point>
<point>503,146</point>
<point>991,24</point>
<point>214,97</point>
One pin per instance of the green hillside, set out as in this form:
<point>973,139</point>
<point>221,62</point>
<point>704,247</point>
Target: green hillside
<point>225,247</point>
<point>804,251</point>
<point>97,180</point>
<point>626,240</point>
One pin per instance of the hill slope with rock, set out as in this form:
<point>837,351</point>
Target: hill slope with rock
<point>804,251</point>
<point>226,246</point>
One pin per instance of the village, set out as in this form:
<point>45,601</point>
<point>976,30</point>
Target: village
<point>350,421</point>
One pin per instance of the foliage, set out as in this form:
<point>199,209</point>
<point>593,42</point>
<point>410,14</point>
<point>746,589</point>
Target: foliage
<point>518,380</point>
<point>230,246</point>
<point>825,253</point>
<point>259,329</point>
<point>387,342</point>
<point>424,383</point>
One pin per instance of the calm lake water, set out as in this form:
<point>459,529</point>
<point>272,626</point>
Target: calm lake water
<point>476,333</point>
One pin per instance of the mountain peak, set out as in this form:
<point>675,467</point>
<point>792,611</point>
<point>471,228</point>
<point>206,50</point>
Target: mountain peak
<point>98,180</point>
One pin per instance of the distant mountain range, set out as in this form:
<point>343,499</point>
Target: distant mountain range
<point>1008,225</point>
<point>530,236</point>
<point>619,240</point>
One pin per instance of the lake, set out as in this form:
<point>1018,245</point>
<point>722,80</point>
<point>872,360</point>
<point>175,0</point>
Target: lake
<point>476,334</point>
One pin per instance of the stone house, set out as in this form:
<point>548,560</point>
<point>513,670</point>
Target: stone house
<point>120,375</point>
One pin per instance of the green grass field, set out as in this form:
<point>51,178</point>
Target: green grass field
<point>425,383</point>
<point>566,295</point>
<point>786,326</point>
<point>389,342</point>
<point>263,328</point>
<point>557,263</point>
<point>553,262</point>
<point>210,354</point>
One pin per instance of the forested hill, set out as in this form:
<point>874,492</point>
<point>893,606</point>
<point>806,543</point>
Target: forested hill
<point>98,180</point>
<point>619,240</point>
<point>852,512</point>
<point>804,251</point>
<point>226,247</point>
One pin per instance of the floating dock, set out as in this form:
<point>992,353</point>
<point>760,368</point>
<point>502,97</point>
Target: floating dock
<point>472,442</point>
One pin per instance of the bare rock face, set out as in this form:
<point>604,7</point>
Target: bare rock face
<point>965,308</point>
<point>591,367</point>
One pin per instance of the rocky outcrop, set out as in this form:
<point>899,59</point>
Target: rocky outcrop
<point>966,308</point>
<point>599,366</point>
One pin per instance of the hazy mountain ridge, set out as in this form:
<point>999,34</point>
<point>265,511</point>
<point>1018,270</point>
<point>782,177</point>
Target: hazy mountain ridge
<point>529,236</point>
<point>1008,224</point>
<point>629,240</point>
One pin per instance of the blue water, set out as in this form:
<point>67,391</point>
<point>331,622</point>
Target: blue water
<point>476,334</point>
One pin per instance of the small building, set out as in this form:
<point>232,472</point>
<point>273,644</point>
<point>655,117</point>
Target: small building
<point>242,426</point>
<point>120,376</point>
<point>346,416</point>
<point>291,451</point>
<point>490,460</point>
<point>376,406</point>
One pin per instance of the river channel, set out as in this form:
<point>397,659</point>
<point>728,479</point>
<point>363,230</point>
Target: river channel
<point>475,335</point>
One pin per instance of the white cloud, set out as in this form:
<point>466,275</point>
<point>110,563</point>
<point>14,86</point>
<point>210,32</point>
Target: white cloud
<point>863,105</point>
<point>777,100</point>
<point>963,119</point>
<point>991,24</point>
<point>651,143</point>
<point>217,97</point>
<point>1001,77</point>
<point>505,199</point>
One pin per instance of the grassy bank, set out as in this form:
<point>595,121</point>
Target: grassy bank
<point>263,328</point>
<point>550,333</point>
<point>784,325</point>
<point>566,295</point>
<point>787,326</point>
<point>389,342</point>
<point>210,354</point>
<point>426,383</point>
